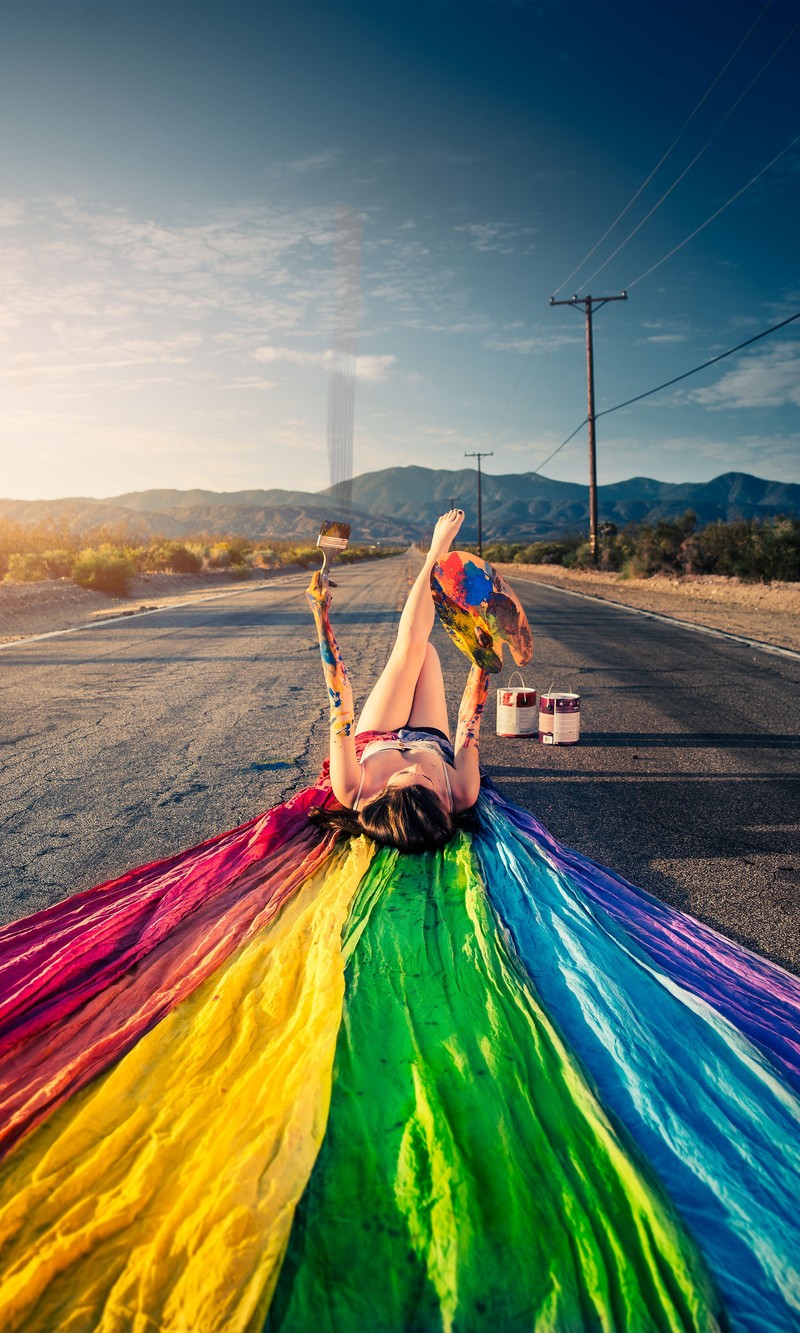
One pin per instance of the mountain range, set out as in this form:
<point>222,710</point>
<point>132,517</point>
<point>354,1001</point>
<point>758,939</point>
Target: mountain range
<point>401,504</point>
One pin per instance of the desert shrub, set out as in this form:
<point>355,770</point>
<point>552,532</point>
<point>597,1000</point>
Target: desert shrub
<point>219,555</point>
<point>304,556</point>
<point>231,551</point>
<point>26,568</point>
<point>58,563</point>
<point>657,548</point>
<point>579,557</point>
<point>779,549</point>
<point>105,569</point>
<point>265,557</point>
<point>546,552</point>
<point>176,557</point>
<point>355,553</point>
<point>751,549</point>
<point>240,571</point>
<point>240,550</point>
<point>33,539</point>
<point>499,553</point>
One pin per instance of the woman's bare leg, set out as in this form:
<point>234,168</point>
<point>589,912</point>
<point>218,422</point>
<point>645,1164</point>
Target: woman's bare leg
<point>429,705</point>
<point>390,704</point>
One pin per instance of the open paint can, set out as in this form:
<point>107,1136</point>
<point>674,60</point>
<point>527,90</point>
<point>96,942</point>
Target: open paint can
<point>516,709</point>
<point>560,719</point>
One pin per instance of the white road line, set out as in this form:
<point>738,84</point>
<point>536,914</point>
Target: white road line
<point>151,611</point>
<point>667,620</point>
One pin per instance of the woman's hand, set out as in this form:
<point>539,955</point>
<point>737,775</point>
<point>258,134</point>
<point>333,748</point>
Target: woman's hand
<point>318,593</point>
<point>470,713</point>
<point>468,774</point>
<point>345,772</point>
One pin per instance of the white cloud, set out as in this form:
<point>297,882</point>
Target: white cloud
<point>303,166</point>
<point>763,379</point>
<point>542,345</point>
<point>666,331</point>
<point>449,158</point>
<point>505,238</point>
<point>370,368</point>
<point>252,382</point>
<point>12,211</point>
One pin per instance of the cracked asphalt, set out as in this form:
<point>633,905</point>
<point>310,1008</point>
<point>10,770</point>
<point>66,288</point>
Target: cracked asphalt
<point>124,743</point>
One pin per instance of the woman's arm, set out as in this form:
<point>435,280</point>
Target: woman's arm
<point>345,770</point>
<point>468,777</point>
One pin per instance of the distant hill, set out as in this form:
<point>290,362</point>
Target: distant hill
<point>400,504</point>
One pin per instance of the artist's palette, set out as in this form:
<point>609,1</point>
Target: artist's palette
<point>480,611</point>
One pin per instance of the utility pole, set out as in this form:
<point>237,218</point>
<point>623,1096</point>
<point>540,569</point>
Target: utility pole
<point>588,302</point>
<point>490,454</point>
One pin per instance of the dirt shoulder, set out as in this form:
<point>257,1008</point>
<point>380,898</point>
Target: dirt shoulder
<point>769,613</point>
<point>39,608</point>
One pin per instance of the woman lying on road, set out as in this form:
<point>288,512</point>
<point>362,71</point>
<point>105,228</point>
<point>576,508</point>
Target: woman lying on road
<point>289,1081</point>
<point>406,789</point>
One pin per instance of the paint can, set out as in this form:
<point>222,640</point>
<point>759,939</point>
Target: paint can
<point>559,718</point>
<point>516,709</point>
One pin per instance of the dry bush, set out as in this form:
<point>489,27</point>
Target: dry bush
<point>174,556</point>
<point>26,569</point>
<point>106,569</point>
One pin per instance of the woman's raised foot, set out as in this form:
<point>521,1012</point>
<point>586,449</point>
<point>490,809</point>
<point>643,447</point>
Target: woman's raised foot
<point>444,534</point>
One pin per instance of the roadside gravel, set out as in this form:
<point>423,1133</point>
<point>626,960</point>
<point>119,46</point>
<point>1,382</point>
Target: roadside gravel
<point>40,608</point>
<point>768,612</point>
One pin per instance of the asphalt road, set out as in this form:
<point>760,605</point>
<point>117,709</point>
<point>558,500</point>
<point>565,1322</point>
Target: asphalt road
<point>124,743</point>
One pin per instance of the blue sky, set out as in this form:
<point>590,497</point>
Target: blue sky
<point>170,180</point>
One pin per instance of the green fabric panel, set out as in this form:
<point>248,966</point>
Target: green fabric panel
<point>469,1178</point>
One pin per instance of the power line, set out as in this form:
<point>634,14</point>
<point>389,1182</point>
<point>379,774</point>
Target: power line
<point>714,215</point>
<point>671,148</point>
<point>629,204</point>
<point>667,383</point>
<point>748,341</point>
<point>561,446</point>
<point>525,365</point>
<point>695,159</point>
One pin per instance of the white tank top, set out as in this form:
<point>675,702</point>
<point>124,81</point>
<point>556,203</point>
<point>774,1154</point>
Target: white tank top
<point>375,747</point>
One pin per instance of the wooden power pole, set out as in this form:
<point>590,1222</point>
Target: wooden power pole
<point>588,302</point>
<point>490,454</point>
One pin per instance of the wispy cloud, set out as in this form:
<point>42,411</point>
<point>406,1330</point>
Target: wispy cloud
<point>542,346</point>
<point>447,157</point>
<point>304,166</point>
<point>505,238</point>
<point>12,212</point>
<point>251,383</point>
<point>764,379</point>
<point>665,331</point>
<point>369,368</point>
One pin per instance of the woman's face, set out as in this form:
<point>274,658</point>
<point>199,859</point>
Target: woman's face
<point>414,775</point>
<point>411,776</point>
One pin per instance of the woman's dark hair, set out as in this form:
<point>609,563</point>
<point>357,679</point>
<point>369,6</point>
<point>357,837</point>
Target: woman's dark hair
<point>411,818</point>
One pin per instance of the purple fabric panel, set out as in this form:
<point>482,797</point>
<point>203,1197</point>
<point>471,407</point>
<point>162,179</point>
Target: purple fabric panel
<point>760,998</point>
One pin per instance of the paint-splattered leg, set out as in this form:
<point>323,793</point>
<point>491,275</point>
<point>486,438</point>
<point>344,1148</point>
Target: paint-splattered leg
<point>389,705</point>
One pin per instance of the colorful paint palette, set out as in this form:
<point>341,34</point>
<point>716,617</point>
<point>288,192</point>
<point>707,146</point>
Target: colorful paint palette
<point>480,611</point>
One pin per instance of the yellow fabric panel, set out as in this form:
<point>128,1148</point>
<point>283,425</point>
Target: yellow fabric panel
<point>161,1197</point>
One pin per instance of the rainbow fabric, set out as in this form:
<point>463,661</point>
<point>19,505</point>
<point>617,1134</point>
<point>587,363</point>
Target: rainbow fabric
<point>277,1083</point>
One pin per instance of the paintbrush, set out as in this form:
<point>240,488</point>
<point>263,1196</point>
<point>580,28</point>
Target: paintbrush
<point>332,540</point>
